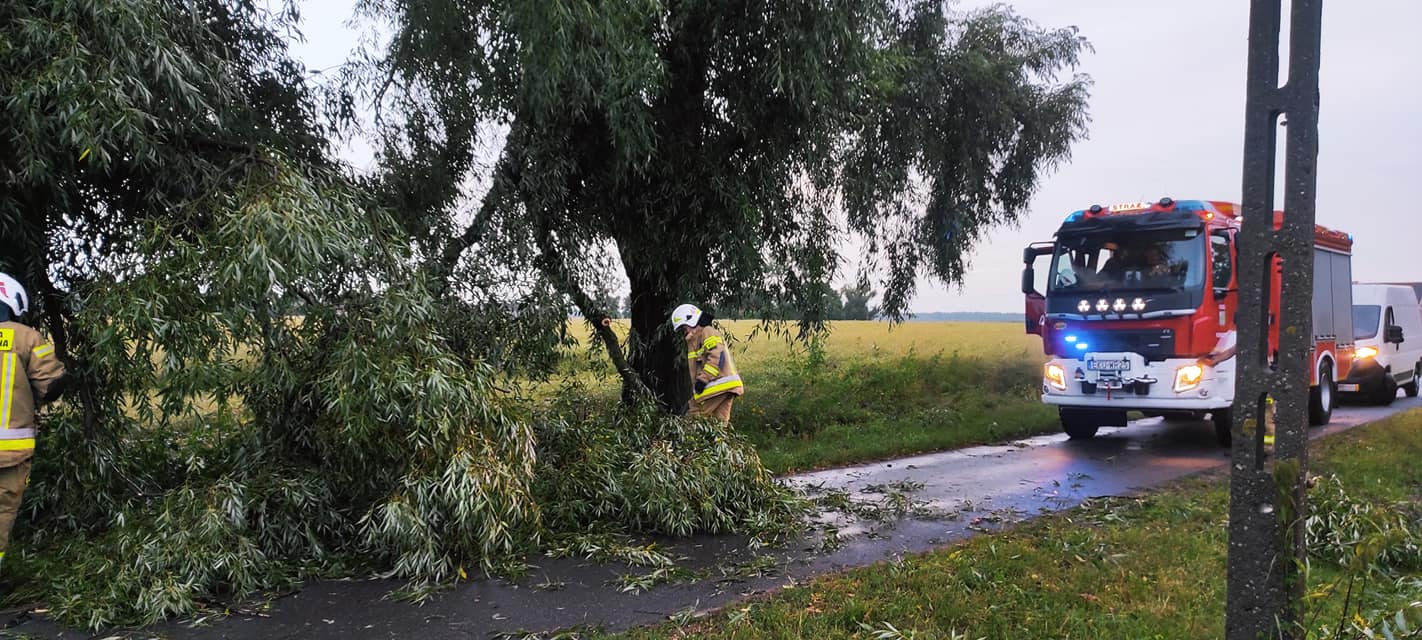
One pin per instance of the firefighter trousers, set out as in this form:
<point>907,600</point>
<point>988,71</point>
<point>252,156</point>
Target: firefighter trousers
<point>13,480</point>
<point>718,407</point>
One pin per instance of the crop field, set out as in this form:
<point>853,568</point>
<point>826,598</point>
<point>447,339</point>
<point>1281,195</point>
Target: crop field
<point>872,390</point>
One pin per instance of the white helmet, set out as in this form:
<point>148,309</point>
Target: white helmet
<point>685,315</point>
<point>14,296</point>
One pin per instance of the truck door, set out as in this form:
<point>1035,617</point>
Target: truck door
<point>1036,303</point>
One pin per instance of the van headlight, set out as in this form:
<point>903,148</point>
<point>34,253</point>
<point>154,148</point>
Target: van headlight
<point>1188,377</point>
<point>1055,376</point>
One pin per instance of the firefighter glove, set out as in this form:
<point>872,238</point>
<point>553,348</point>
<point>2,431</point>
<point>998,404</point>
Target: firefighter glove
<point>699,386</point>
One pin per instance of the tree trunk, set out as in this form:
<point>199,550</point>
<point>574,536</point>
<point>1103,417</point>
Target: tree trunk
<point>658,354</point>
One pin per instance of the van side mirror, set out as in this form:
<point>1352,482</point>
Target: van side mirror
<point>1029,280</point>
<point>1393,334</point>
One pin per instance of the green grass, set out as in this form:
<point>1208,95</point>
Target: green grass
<point>1146,567</point>
<point>819,415</point>
<point>872,391</point>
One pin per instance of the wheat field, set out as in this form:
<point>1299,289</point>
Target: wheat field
<point>755,346</point>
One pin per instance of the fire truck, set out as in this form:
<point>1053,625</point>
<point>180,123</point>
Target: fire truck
<point>1138,314</point>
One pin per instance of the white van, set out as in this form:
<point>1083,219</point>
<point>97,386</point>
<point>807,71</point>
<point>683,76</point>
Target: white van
<point>1387,332</point>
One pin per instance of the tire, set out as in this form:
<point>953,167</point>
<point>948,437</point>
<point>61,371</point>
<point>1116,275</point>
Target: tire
<point>1224,426</point>
<point>1386,391</point>
<point>1082,424</point>
<point>1322,397</point>
<point>1411,388</point>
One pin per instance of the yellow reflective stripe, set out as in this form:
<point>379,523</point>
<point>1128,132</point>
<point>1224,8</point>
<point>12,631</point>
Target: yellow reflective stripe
<point>7,389</point>
<point>17,445</point>
<point>711,369</point>
<point>709,344</point>
<point>732,383</point>
<point>43,350</point>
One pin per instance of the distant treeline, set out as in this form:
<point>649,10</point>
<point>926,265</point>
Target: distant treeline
<point>854,302</point>
<point>966,316</point>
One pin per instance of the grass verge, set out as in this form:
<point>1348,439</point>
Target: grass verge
<point>1143,567</point>
<point>817,414</point>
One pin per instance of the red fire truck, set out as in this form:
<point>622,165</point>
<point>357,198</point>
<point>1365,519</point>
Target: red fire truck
<point>1138,314</point>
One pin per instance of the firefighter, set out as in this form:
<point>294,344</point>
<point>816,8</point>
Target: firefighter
<point>715,383</point>
<point>30,375</point>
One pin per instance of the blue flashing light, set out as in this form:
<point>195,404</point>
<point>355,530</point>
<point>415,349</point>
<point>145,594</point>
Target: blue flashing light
<point>1070,338</point>
<point>1081,346</point>
<point>1073,216</point>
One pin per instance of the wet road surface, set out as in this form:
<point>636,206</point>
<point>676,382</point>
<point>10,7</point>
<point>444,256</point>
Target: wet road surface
<point>906,505</point>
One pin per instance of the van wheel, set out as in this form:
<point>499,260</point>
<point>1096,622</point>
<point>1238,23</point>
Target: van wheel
<point>1411,388</point>
<point>1386,391</point>
<point>1321,397</point>
<point>1224,426</point>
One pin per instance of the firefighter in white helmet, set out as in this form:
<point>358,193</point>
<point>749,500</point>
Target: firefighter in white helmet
<point>30,375</point>
<point>715,383</point>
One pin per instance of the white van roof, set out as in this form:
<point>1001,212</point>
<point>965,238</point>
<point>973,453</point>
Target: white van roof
<point>1376,293</point>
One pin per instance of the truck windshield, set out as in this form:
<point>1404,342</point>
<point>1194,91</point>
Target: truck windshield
<point>1365,321</point>
<point>1172,260</point>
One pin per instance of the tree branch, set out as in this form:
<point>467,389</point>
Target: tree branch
<point>505,179</point>
<point>598,318</point>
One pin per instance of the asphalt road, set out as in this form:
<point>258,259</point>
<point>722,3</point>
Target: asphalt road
<point>922,502</point>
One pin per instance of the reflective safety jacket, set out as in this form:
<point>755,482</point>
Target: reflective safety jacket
<point>709,361</point>
<point>29,373</point>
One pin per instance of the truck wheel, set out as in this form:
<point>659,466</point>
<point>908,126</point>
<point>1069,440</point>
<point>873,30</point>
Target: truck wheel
<point>1386,391</point>
<point>1224,426</point>
<point>1081,424</point>
<point>1320,398</point>
<point>1411,388</point>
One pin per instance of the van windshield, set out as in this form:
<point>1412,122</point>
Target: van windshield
<point>1171,260</point>
<point>1365,321</point>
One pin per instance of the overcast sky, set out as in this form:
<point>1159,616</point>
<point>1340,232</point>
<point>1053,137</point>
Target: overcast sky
<point>1167,115</point>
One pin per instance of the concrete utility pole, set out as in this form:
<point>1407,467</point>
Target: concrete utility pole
<point>1266,543</point>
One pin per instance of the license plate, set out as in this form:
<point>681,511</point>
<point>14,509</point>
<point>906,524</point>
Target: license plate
<point>1108,365</point>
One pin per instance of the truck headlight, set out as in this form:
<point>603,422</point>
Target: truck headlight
<point>1364,353</point>
<point>1055,376</point>
<point>1188,377</point>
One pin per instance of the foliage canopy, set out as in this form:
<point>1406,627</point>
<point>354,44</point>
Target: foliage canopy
<point>716,152</point>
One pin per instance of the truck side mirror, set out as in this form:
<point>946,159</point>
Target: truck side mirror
<point>1393,334</point>
<point>1029,280</point>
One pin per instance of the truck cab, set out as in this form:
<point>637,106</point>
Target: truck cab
<point>1138,313</point>
<point>1387,328</point>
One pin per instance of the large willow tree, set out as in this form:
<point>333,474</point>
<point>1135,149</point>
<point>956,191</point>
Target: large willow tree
<point>713,150</point>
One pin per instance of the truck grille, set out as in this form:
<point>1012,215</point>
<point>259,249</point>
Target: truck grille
<point>1152,344</point>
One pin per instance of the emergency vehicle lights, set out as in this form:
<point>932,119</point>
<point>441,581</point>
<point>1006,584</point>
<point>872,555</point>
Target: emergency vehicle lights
<point>1102,305</point>
<point>1119,305</point>
<point>1365,352</point>
<point>1084,306</point>
<point>1081,346</point>
<point>1188,377</point>
<point>1138,305</point>
<point>1055,376</point>
<point>1070,338</point>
